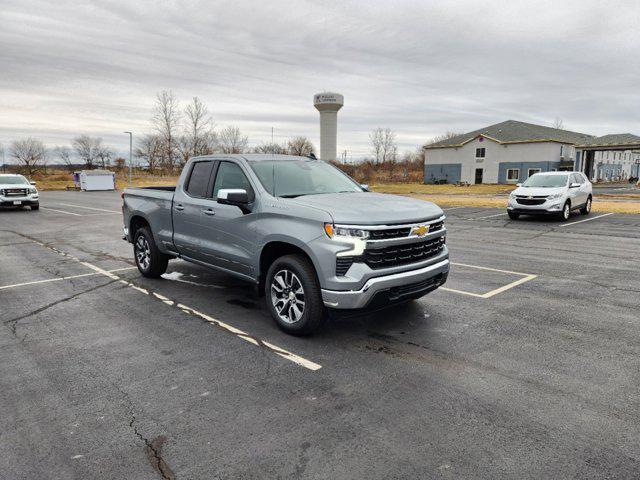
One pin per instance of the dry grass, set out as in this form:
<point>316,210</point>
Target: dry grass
<point>420,188</point>
<point>59,180</point>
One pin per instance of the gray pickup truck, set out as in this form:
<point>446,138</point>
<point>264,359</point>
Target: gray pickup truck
<point>306,234</point>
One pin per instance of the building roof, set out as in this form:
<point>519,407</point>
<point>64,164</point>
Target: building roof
<point>513,131</point>
<point>615,139</point>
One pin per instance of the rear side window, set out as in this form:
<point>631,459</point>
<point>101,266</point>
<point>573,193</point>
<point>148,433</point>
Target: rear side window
<point>231,175</point>
<point>199,179</point>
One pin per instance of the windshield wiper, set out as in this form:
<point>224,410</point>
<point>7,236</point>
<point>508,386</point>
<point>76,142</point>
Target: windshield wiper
<point>292,195</point>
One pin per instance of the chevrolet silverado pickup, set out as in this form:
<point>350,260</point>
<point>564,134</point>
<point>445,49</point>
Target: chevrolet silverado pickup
<point>307,235</point>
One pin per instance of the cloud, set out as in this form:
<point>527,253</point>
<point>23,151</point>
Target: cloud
<point>420,68</point>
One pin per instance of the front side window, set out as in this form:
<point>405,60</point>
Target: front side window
<point>294,178</point>
<point>230,175</point>
<point>549,181</point>
<point>199,179</point>
<point>513,174</point>
<point>480,152</point>
<point>13,180</point>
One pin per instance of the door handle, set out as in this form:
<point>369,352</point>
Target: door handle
<point>179,207</point>
<point>209,212</point>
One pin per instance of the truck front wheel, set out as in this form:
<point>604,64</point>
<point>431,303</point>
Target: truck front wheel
<point>150,260</point>
<point>293,296</point>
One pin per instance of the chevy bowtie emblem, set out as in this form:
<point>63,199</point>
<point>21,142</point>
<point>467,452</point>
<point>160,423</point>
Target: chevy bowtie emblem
<point>420,230</point>
<point>530,196</point>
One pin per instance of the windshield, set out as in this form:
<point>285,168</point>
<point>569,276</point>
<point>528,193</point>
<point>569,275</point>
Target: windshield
<point>293,178</point>
<point>13,180</point>
<point>541,180</point>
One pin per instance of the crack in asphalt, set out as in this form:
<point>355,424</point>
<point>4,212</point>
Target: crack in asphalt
<point>153,448</point>
<point>13,323</point>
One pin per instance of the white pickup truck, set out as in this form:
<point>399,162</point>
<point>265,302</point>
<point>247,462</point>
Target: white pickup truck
<point>17,191</point>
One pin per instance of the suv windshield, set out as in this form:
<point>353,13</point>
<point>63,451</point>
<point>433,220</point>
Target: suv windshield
<point>293,178</point>
<point>11,180</point>
<point>541,180</point>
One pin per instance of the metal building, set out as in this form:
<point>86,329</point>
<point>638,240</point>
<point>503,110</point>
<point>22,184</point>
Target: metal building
<point>328,105</point>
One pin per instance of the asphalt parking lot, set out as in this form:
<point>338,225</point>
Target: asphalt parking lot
<point>525,366</point>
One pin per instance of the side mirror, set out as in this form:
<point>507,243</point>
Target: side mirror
<point>574,185</point>
<point>518,184</point>
<point>233,196</point>
<point>365,187</point>
<point>33,183</point>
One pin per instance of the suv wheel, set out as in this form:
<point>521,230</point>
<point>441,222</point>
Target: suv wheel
<point>513,215</point>
<point>150,260</point>
<point>293,296</point>
<point>566,212</point>
<point>587,207</point>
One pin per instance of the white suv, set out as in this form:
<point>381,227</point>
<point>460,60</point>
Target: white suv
<point>17,191</point>
<point>555,193</point>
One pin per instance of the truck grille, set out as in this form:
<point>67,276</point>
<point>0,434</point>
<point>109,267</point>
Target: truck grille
<point>393,256</point>
<point>403,254</point>
<point>402,232</point>
<point>531,201</point>
<point>13,192</point>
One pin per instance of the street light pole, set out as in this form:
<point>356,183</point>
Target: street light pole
<point>130,154</point>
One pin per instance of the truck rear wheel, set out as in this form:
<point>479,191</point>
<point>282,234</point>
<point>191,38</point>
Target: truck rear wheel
<point>293,295</point>
<point>151,262</point>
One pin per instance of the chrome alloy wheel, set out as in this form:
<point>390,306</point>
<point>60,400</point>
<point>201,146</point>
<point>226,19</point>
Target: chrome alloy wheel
<point>588,206</point>
<point>143,252</point>
<point>287,296</point>
<point>566,211</point>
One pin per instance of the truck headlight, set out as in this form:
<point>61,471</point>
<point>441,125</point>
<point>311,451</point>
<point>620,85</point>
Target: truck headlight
<point>336,231</point>
<point>33,190</point>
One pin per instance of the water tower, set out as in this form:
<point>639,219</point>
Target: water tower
<point>328,105</point>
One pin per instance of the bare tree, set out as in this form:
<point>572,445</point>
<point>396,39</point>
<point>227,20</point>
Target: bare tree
<point>231,140</point>
<point>63,154</point>
<point>383,143</point>
<point>199,135</point>
<point>558,124</point>
<point>166,121</point>
<point>87,149</point>
<point>445,136</point>
<point>30,153</point>
<point>149,149</point>
<point>269,147</point>
<point>300,146</point>
<point>103,155</point>
<point>119,163</point>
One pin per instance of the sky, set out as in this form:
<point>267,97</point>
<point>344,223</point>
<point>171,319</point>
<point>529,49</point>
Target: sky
<point>420,68</point>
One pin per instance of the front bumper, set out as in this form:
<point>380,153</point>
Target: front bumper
<point>549,207</point>
<point>394,287</point>
<point>19,201</point>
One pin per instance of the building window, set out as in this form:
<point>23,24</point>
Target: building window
<point>533,170</point>
<point>513,174</point>
<point>480,152</point>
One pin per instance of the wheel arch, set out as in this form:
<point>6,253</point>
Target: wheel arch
<point>275,249</point>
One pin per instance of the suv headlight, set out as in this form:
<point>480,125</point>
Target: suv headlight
<point>554,196</point>
<point>336,231</point>
<point>512,195</point>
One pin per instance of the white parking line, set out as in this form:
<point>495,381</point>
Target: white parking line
<point>490,216</point>
<point>90,208</point>
<point>586,220</point>
<point>292,357</point>
<point>450,208</point>
<point>526,277</point>
<point>70,277</point>
<point>61,211</point>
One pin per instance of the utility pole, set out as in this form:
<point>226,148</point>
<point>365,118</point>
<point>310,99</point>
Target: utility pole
<point>130,154</point>
<point>3,166</point>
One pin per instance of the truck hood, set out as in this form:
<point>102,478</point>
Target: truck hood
<point>10,186</point>
<point>370,208</point>
<point>538,191</point>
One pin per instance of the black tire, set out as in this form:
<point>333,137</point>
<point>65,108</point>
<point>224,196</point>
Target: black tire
<point>35,207</point>
<point>566,211</point>
<point>290,273</point>
<point>513,215</point>
<point>150,261</point>
<point>587,207</point>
